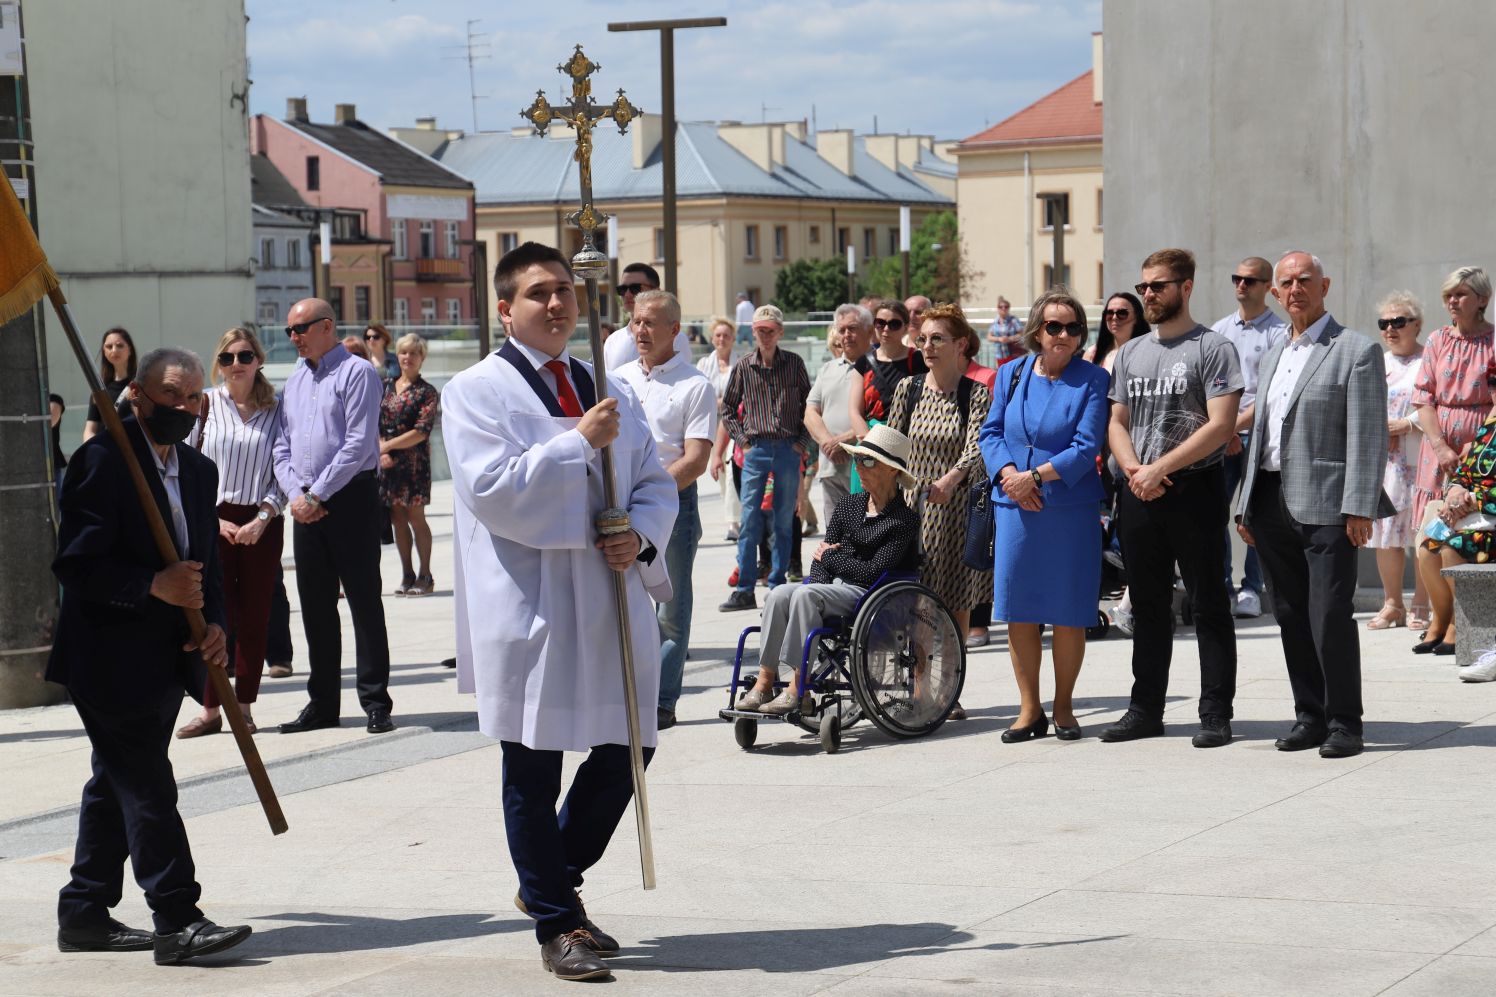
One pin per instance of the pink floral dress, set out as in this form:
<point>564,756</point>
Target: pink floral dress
<point>1399,531</point>
<point>1453,383</point>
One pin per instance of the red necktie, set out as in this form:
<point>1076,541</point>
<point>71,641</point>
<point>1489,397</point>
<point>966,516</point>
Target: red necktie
<point>570,405</point>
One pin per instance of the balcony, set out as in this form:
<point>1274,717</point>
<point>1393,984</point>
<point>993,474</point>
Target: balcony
<point>441,271</point>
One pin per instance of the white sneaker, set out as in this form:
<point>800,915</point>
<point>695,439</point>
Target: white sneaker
<point>1484,669</point>
<point>1122,620</point>
<point>1248,604</point>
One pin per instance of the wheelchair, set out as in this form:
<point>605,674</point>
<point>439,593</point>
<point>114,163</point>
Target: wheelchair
<point>898,661</point>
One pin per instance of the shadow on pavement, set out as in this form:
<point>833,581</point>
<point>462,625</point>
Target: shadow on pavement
<point>40,735</point>
<point>354,933</point>
<point>1385,735</point>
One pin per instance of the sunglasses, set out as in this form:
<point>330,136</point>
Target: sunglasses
<point>1392,323</point>
<point>300,328</point>
<point>1156,286</point>
<point>373,337</point>
<point>245,357</point>
<point>891,324</point>
<point>633,289</point>
<point>1076,329</point>
<point>1237,278</point>
<point>1116,313</point>
<point>862,461</point>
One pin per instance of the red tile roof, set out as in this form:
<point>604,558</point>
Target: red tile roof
<point>1069,114</point>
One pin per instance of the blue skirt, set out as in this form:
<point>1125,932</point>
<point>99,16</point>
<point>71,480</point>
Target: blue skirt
<point>1048,565</point>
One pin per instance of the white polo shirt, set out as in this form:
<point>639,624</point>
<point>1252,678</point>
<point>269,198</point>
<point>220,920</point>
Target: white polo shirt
<point>678,400</point>
<point>1291,363</point>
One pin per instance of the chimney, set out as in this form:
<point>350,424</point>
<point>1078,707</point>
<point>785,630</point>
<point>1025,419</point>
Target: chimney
<point>426,124</point>
<point>836,147</point>
<point>884,148</point>
<point>647,131</point>
<point>296,109</point>
<point>763,144</point>
<point>344,113</point>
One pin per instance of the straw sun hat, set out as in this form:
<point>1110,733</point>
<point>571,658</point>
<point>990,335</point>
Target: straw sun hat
<point>887,446</point>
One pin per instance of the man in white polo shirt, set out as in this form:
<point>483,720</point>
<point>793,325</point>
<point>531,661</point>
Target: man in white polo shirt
<point>827,415</point>
<point>681,406</point>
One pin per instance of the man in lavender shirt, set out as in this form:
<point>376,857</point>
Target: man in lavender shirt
<point>324,460</point>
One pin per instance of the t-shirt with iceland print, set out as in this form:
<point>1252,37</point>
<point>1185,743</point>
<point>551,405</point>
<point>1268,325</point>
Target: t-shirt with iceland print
<point>1165,384</point>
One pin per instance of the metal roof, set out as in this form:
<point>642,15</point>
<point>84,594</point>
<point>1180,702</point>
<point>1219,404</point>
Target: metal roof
<point>528,169</point>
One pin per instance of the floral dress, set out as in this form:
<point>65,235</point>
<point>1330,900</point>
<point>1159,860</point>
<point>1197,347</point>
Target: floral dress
<point>1453,383</point>
<point>1397,531</point>
<point>1477,473</point>
<point>408,481</point>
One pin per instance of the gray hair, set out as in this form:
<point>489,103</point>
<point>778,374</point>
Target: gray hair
<point>1319,267</point>
<point>1402,299</point>
<point>864,317</point>
<point>1474,278</point>
<point>154,363</point>
<point>664,299</point>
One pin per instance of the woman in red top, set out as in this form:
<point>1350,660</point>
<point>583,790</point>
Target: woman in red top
<point>893,361</point>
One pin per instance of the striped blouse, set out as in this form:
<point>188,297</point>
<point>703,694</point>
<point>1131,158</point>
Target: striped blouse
<point>241,450</point>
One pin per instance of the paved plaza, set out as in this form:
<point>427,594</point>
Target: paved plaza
<point>953,864</point>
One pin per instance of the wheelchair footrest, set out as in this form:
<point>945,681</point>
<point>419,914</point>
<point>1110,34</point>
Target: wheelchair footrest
<point>731,715</point>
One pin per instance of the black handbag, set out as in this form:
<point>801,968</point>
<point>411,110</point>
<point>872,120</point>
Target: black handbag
<point>978,553</point>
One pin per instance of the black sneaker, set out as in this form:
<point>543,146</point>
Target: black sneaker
<point>1132,727</point>
<point>1215,732</point>
<point>739,600</point>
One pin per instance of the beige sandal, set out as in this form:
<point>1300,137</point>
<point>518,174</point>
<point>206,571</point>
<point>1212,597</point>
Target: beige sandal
<point>1387,618</point>
<point>1418,618</point>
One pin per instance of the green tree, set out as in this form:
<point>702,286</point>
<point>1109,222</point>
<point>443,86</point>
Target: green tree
<point>808,285</point>
<point>937,273</point>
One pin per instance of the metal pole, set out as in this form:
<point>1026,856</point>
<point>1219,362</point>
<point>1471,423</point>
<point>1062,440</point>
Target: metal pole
<point>667,113</point>
<point>904,235</point>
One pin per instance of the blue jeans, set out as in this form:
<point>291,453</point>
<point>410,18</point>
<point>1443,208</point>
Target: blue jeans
<point>1251,570</point>
<point>675,615</point>
<point>780,458</point>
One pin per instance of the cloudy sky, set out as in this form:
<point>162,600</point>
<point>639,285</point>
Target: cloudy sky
<point>943,67</point>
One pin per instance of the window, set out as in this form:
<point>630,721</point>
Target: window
<point>1049,280</point>
<point>815,235</point>
<point>313,173</point>
<point>402,312</point>
<point>348,228</point>
<point>843,240</point>
<point>337,303</point>
<point>893,241</point>
<point>428,311</point>
<point>750,242</point>
<point>428,240</point>
<point>869,243</point>
<point>1056,206</point>
<point>293,253</point>
<point>659,241</point>
<point>267,254</point>
<point>397,233</point>
<point>754,295</point>
<point>361,303</point>
<point>508,241</point>
<point>269,313</point>
<point>1101,282</point>
<point>454,311</point>
<point>451,240</point>
<point>781,241</point>
<point>1098,207</point>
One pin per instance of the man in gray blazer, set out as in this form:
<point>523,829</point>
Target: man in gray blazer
<point>1313,485</point>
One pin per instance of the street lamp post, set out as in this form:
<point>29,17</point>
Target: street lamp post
<point>1052,204</point>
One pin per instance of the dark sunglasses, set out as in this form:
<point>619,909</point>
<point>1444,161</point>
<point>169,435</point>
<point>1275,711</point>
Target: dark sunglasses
<point>1076,329</point>
<point>245,357</point>
<point>633,289</point>
<point>373,337</point>
<point>891,324</point>
<point>1237,278</point>
<point>1392,323</point>
<point>300,328</point>
<point>1116,313</point>
<point>1156,286</point>
<point>867,461</point>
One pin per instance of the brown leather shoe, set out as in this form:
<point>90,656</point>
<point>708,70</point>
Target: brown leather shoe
<point>602,943</point>
<point>280,670</point>
<point>197,727</point>
<point>570,957</point>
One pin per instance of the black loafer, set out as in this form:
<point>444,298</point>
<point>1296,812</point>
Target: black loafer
<point>197,939</point>
<point>380,722</point>
<point>1443,647</point>
<point>1301,738</point>
<point>309,719</point>
<point>1132,727</point>
<point>664,719</point>
<point>1426,646</point>
<point>111,936</point>
<point>571,957</point>
<point>1341,744</point>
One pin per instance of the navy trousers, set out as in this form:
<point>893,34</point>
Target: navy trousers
<point>129,811</point>
<point>551,852</point>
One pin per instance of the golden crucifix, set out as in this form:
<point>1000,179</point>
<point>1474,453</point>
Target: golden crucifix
<point>581,113</point>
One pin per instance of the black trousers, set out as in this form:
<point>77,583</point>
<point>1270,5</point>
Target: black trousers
<point>1184,525</point>
<point>343,546</point>
<point>1311,577</point>
<point>278,650</point>
<point>551,852</point>
<point>129,811</point>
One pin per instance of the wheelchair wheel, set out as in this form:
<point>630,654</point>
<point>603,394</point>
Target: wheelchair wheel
<point>845,709</point>
<point>745,732</point>
<point>908,659</point>
<point>830,732</point>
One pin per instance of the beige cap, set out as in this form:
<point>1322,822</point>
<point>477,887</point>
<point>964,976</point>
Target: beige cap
<point>768,313</point>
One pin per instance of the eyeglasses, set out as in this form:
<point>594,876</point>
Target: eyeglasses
<point>245,357</point>
<point>1116,313</point>
<point>1237,278</point>
<point>1076,329</point>
<point>891,324</point>
<point>633,289</point>
<point>1156,286</point>
<point>869,462</point>
<point>934,340</point>
<point>1392,323</point>
<point>300,328</point>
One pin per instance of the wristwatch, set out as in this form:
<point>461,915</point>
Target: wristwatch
<point>1038,478</point>
<point>312,500</point>
<point>263,515</point>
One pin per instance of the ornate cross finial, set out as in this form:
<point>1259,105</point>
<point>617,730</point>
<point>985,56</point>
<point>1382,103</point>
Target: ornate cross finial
<point>582,114</point>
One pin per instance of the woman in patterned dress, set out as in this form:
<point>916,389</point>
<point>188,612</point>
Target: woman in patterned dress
<point>406,418</point>
<point>1400,319</point>
<point>944,457</point>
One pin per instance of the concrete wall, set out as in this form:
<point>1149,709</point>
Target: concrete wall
<point>1355,129</point>
<point>142,170</point>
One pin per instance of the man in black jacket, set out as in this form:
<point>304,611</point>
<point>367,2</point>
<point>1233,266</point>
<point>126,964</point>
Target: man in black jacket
<point>125,654</point>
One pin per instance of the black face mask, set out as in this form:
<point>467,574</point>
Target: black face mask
<point>167,426</point>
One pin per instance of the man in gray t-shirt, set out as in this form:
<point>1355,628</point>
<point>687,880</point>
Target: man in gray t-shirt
<point>1166,385</point>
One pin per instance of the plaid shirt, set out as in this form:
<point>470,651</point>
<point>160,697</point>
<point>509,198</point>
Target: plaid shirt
<point>767,401</point>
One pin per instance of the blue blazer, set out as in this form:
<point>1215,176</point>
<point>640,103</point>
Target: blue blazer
<point>116,642</point>
<point>1069,434</point>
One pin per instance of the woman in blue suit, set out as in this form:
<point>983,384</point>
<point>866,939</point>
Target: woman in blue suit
<point>1040,449</point>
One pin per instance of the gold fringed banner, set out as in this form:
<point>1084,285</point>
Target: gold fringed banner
<point>25,275</point>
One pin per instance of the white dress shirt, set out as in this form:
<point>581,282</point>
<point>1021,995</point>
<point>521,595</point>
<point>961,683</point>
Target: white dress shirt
<point>1285,378</point>
<point>170,471</point>
<point>678,400</point>
<point>1252,340</point>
